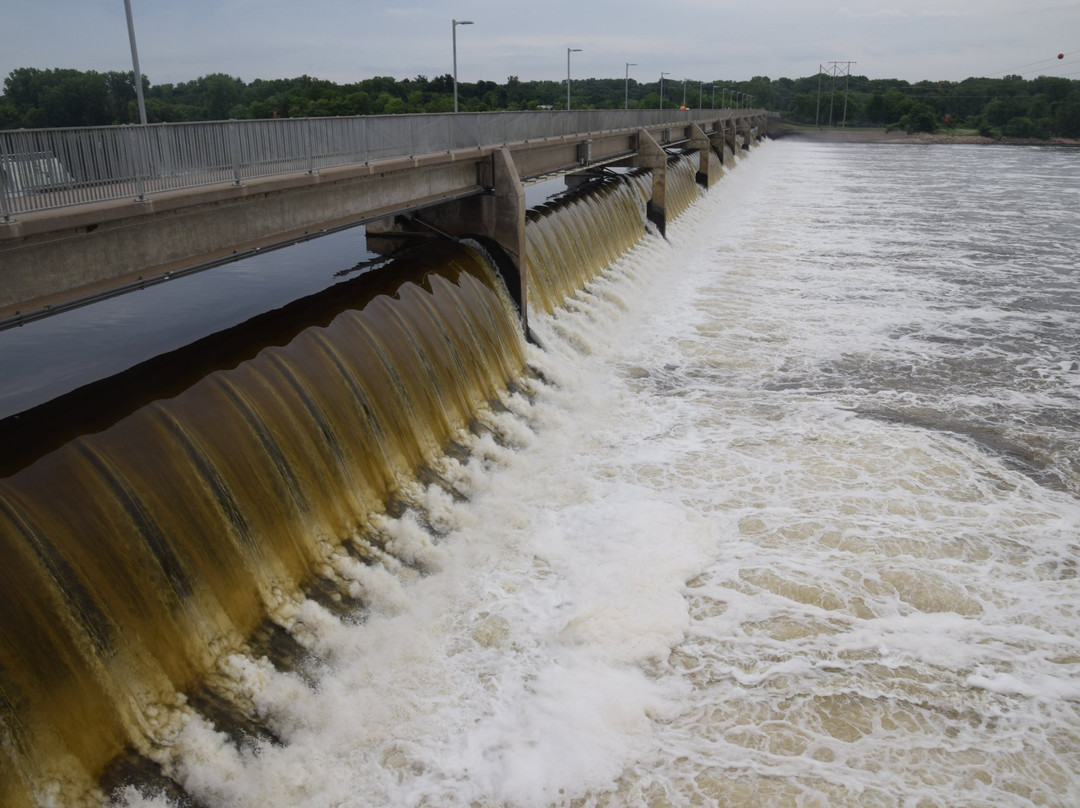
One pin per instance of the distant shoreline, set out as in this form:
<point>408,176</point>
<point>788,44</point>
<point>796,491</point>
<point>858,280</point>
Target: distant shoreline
<point>855,135</point>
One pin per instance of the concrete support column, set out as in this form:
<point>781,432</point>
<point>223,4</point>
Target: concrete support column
<point>498,216</point>
<point>731,144</point>
<point>748,135</point>
<point>717,144</point>
<point>650,155</point>
<point>761,125</point>
<point>707,175</point>
<point>504,216</point>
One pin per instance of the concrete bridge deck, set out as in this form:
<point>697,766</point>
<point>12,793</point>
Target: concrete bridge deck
<point>63,256</point>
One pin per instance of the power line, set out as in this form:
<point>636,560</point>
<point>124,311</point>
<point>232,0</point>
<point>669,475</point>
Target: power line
<point>1048,60</point>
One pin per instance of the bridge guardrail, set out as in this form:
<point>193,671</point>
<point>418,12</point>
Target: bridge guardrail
<point>50,168</point>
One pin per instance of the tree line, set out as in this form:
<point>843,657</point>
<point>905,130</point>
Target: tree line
<point>1011,106</point>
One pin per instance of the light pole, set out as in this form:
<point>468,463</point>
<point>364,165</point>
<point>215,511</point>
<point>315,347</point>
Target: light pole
<point>626,103</point>
<point>568,52</point>
<point>712,104</point>
<point>135,63</point>
<point>662,89</point>
<point>453,31</point>
<point>700,90</point>
<point>684,93</point>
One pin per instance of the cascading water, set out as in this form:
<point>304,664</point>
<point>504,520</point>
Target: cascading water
<point>135,556</point>
<point>152,524</point>
<point>562,251</point>
<point>682,187</point>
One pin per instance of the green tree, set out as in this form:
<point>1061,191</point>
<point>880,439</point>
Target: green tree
<point>59,97</point>
<point>23,87</point>
<point>9,114</point>
<point>874,109</point>
<point>1023,127</point>
<point>919,118</point>
<point>804,108</point>
<point>1002,110</point>
<point>1067,117</point>
<point>221,94</point>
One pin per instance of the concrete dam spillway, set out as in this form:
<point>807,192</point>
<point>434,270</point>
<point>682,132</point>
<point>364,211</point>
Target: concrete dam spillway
<point>156,522</point>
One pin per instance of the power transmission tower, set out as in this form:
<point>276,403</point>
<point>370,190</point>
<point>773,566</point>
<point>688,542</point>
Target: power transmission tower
<point>836,68</point>
<point>817,112</point>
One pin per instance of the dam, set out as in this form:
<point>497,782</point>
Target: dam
<point>160,521</point>
<point>778,508</point>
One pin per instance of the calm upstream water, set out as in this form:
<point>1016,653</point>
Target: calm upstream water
<point>789,516</point>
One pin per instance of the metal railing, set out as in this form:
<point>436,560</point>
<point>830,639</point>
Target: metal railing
<point>51,168</point>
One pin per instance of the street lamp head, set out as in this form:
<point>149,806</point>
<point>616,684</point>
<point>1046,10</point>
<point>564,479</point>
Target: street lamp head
<point>573,50</point>
<point>463,22</point>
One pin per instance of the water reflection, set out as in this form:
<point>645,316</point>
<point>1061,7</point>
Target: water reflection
<point>47,358</point>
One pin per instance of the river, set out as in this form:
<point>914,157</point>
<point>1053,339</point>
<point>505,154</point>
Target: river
<point>785,514</point>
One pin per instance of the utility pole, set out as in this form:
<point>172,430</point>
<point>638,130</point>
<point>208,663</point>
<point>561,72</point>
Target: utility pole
<point>846,67</point>
<point>832,89</point>
<point>817,114</point>
<point>835,69</point>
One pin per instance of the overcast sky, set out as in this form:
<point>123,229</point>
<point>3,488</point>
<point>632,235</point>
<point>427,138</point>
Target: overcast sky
<point>697,40</point>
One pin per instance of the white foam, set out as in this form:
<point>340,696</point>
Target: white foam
<point>698,576</point>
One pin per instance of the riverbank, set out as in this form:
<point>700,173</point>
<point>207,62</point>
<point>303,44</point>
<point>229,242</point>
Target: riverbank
<point>859,135</point>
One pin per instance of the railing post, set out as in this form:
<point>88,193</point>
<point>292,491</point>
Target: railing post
<point>308,146</point>
<point>4,208</point>
<point>5,182</point>
<point>136,163</point>
<point>234,147</point>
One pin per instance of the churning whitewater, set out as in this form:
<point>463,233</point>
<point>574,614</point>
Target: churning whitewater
<point>785,514</point>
